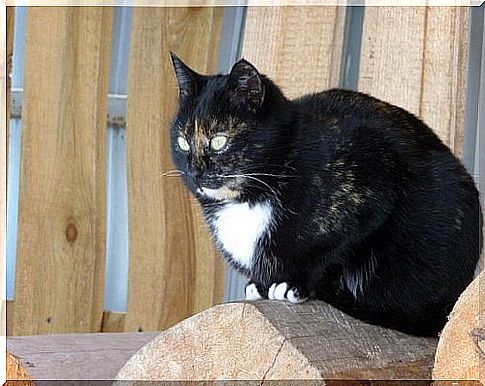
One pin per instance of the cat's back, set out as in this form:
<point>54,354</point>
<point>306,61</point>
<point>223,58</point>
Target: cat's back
<point>386,149</point>
<point>353,112</point>
<point>349,103</point>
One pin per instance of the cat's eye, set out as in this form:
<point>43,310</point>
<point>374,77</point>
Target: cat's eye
<point>183,144</point>
<point>218,142</point>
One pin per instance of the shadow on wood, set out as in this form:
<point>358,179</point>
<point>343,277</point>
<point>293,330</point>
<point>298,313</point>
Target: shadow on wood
<point>273,340</point>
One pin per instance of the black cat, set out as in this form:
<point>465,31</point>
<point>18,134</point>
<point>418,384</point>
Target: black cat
<point>335,195</point>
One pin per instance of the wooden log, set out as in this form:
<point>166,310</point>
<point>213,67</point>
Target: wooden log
<point>71,356</point>
<point>272,340</point>
<point>259,341</point>
<point>17,371</point>
<point>464,337</point>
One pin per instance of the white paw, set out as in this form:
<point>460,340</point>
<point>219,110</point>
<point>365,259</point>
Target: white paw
<point>252,292</point>
<point>294,297</point>
<point>279,291</point>
<point>271,291</point>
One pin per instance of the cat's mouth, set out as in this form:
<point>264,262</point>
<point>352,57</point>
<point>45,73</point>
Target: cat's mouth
<point>221,194</point>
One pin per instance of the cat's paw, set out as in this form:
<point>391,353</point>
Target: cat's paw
<point>252,292</point>
<point>282,291</point>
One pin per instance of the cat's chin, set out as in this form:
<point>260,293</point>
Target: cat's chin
<point>221,194</point>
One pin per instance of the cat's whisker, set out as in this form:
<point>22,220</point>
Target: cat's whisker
<point>271,175</point>
<point>173,173</point>
<point>255,179</point>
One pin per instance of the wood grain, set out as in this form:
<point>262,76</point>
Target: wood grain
<point>113,321</point>
<point>9,308</point>
<point>61,240</point>
<point>390,33</point>
<point>464,337</point>
<point>174,270</point>
<point>268,340</point>
<point>444,74</point>
<point>17,372</point>
<point>68,357</point>
<point>5,85</point>
<point>300,48</point>
<point>416,57</point>
<point>8,81</point>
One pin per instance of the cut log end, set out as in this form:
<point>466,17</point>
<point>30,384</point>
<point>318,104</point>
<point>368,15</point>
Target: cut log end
<point>269,340</point>
<point>464,337</point>
<point>16,371</point>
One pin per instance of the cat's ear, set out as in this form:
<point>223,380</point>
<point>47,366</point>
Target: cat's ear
<point>245,86</point>
<point>187,78</point>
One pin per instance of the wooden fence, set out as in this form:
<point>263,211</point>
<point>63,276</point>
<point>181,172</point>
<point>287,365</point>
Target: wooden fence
<point>413,57</point>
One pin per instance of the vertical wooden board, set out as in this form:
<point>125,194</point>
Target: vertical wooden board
<point>61,241</point>
<point>103,34</point>
<point>444,74</point>
<point>113,322</point>
<point>392,55</point>
<point>300,48</point>
<point>6,84</point>
<point>9,307</point>
<point>416,58</point>
<point>9,55</point>
<point>170,251</point>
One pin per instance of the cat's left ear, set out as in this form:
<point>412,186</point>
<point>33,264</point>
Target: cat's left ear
<point>245,86</point>
<point>187,78</point>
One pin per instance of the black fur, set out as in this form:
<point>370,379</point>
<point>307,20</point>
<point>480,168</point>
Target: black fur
<point>374,213</point>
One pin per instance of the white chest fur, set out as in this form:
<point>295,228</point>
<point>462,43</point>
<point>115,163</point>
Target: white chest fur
<point>239,227</point>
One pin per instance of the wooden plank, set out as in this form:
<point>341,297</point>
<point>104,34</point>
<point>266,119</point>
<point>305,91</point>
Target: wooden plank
<point>9,307</point>
<point>444,74</point>
<point>6,84</point>
<point>72,356</point>
<point>113,321</point>
<point>415,57</point>
<point>9,56</point>
<point>390,33</point>
<point>172,261</point>
<point>61,241</point>
<point>268,340</point>
<point>300,48</point>
<point>273,340</point>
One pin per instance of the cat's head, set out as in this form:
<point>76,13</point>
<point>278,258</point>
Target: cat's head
<point>217,137</point>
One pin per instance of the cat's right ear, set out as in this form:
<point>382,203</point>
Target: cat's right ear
<point>245,86</point>
<point>187,78</point>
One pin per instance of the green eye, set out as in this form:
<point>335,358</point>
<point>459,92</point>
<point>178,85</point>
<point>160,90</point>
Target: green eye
<point>218,142</point>
<point>183,144</point>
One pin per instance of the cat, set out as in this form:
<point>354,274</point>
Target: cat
<point>335,195</point>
